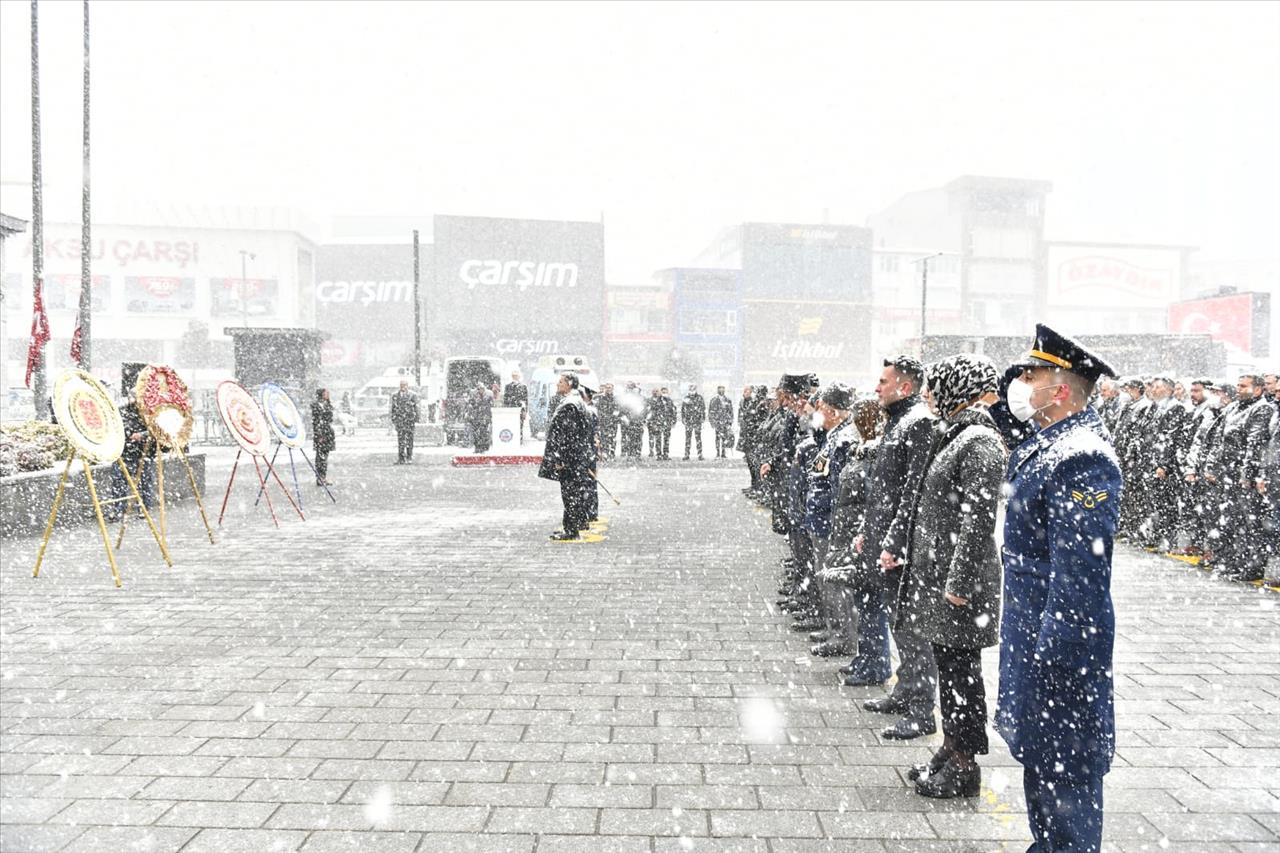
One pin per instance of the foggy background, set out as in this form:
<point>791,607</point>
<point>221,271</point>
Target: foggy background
<point>1155,122</point>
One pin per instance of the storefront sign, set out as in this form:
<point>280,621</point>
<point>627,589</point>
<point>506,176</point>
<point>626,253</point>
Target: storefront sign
<point>1115,276</point>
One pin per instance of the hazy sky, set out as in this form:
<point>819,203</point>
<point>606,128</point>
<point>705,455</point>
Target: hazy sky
<point>1156,122</point>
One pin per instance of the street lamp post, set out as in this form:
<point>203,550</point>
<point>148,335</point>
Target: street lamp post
<point>245,257</point>
<point>924,295</point>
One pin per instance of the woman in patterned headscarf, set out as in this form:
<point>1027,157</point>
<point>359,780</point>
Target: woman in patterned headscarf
<point>950,592</point>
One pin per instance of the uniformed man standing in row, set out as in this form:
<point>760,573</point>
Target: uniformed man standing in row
<point>1056,708</point>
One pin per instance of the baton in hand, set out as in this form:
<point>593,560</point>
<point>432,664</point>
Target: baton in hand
<point>616,502</point>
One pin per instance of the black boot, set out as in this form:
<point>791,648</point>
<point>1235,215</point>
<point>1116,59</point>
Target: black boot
<point>951,782</point>
<point>935,764</point>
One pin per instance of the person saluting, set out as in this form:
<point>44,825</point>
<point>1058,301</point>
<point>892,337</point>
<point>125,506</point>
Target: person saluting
<point>1056,708</point>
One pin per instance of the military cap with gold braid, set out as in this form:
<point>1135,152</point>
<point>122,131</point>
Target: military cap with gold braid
<point>1055,350</point>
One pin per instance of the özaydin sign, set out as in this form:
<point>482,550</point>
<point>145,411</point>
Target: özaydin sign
<point>282,415</point>
<point>1088,276</point>
<point>88,416</point>
<point>243,418</point>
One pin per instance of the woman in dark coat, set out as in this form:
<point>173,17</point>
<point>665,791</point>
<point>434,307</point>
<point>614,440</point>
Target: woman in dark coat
<point>950,594</point>
<point>837,575</point>
<point>322,436</point>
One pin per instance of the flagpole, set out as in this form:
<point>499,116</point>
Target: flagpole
<point>83,354</point>
<point>39,324</point>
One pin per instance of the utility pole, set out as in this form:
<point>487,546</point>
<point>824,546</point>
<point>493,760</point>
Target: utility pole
<point>924,296</point>
<point>84,321</point>
<point>245,256</point>
<point>417,316</point>
<point>40,391</point>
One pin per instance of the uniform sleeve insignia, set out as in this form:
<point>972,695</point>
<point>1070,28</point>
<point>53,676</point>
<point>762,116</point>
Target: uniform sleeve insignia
<point>1090,499</point>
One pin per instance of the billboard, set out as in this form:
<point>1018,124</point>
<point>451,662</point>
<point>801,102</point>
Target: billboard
<point>519,288</point>
<point>1242,321</point>
<point>1081,275</point>
<point>253,297</point>
<point>159,294</point>
<point>828,262</point>
<point>828,338</point>
<point>62,291</point>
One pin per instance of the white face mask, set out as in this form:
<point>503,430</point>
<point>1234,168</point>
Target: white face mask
<point>817,420</point>
<point>1216,402</point>
<point>1019,396</point>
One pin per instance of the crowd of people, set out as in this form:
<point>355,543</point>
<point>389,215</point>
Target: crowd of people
<point>628,416</point>
<point>889,504</point>
<point>1198,457</point>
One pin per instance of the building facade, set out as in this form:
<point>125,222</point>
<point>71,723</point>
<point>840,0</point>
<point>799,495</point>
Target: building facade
<point>164,291</point>
<point>994,227</point>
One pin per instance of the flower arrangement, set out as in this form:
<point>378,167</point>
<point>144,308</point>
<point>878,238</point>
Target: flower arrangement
<point>31,446</point>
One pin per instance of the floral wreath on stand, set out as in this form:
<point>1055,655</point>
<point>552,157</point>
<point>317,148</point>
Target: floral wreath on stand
<point>165,406</point>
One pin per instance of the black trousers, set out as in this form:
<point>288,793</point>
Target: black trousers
<point>662,447</point>
<point>573,495</point>
<point>404,443</point>
<point>962,698</point>
<point>724,442</point>
<point>608,438</point>
<point>1163,495</point>
<point>632,439</point>
<point>753,468</point>
<point>322,465</point>
<point>1243,545</point>
<point>692,431</point>
<point>1197,513</point>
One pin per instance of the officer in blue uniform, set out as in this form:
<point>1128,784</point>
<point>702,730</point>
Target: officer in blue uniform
<point>1055,707</point>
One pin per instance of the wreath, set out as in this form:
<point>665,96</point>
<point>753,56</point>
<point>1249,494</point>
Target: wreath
<point>165,405</point>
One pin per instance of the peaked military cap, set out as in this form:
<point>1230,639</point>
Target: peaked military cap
<point>1052,349</point>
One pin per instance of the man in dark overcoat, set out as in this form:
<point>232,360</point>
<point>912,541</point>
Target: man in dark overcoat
<point>693,414</point>
<point>607,407</point>
<point>568,456</point>
<point>882,544</point>
<point>404,417</point>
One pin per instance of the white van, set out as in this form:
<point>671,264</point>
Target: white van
<point>371,404</point>
<point>542,386</point>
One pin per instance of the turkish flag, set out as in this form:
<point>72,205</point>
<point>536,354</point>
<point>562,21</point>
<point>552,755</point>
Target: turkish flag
<point>76,338</point>
<point>39,333</point>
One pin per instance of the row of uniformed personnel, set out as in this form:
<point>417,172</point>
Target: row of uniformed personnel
<point>889,508</point>
<point>1200,459</point>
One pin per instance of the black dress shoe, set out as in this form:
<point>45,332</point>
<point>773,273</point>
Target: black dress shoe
<point>908,729</point>
<point>819,636</point>
<point>847,669</point>
<point>861,681</point>
<point>804,626</point>
<point>884,705</point>
<point>563,537</point>
<point>934,764</point>
<point>951,782</point>
<point>829,649</point>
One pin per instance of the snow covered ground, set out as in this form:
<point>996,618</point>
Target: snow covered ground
<point>416,667</point>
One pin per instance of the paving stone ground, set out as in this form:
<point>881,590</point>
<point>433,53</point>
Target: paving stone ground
<point>418,669</point>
